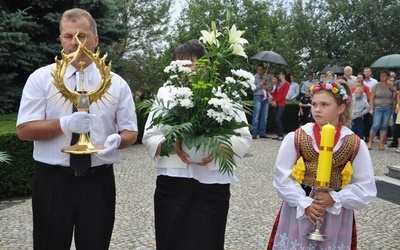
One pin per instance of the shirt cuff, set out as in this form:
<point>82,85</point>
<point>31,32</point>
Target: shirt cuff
<point>337,207</point>
<point>301,207</point>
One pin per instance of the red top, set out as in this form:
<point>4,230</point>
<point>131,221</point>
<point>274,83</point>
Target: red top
<point>366,91</point>
<point>279,96</point>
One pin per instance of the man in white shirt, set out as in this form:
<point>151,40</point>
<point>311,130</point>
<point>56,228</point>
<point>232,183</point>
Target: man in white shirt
<point>67,202</point>
<point>369,81</point>
<point>294,89</point>
<point>307,84</point>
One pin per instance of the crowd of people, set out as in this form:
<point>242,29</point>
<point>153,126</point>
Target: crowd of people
<point>342,101</point>
<point>373,106</point>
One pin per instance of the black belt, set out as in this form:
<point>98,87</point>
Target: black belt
<point>68,170</point>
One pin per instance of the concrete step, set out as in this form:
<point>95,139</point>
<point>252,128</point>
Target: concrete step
<point>394,172</point>
<point>388,188</point>
<point>388,179</point>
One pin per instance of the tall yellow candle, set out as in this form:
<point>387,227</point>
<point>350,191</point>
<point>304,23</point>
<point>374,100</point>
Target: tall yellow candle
<point>325,156</point>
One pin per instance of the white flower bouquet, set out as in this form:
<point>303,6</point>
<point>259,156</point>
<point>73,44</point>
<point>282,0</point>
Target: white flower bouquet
<point>202,109</point>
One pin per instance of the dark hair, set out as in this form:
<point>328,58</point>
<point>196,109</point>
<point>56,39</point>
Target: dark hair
<point>310,73</point>
<point>192,49</point>
<point>361,74</point>
<point>287,75</point>
<point>385,71</point>
<point>260,65</point>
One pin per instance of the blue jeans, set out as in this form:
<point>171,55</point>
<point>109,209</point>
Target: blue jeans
<point>260,116</point>
<point>278,120</point>
<point>381,119</point>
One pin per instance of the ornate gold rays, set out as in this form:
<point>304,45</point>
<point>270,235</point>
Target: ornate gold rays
<point>61,66</point>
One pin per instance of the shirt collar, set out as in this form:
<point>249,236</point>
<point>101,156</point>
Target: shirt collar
<point>71,70</point>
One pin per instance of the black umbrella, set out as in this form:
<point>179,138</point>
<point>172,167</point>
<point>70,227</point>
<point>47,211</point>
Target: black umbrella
<point>335,69</point>
<point>269,56</point>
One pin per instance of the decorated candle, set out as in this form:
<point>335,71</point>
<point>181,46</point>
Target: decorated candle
<point>325,156</point>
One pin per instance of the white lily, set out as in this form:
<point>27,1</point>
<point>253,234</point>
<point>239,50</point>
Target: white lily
<point>238,49</point>
<point>235,36</point>
<point>210,37</point>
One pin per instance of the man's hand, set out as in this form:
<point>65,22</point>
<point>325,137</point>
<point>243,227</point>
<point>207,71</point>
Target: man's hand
<point>111,145</point>
<point>77,122</point>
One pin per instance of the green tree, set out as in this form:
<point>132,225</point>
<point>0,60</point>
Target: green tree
<point>29,38</point>
<point>15,51</point>
<point>143,48</point>
<point>342,32</point>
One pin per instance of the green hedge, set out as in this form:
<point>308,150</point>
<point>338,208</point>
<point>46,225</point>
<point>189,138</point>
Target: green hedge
<point>15,178</point>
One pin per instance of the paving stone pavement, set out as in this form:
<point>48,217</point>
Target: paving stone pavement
<point>253,205</point>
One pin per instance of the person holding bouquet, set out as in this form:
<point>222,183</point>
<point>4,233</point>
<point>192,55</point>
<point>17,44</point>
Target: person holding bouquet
<point>191,199</point>
<point>351,186</point>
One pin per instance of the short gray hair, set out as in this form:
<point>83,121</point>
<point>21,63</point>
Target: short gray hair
<point>76,13</point>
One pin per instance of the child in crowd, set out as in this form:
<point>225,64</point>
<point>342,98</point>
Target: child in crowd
<point>360,108</point>
<point>352,183</point>
<point>305,110</point>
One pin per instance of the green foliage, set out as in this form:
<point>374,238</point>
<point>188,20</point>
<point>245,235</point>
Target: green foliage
<point>4,157</point>
<point>29,33</point>
<point>8,123</point>
<point>325,32</point>
<point>16,176</point>
<point>144,47</point>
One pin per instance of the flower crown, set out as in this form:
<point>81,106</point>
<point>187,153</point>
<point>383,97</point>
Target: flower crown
<point>332,86</point>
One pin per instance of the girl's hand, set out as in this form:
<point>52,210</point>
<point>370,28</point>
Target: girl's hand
<point>323,198</point>
<point>315,212</point>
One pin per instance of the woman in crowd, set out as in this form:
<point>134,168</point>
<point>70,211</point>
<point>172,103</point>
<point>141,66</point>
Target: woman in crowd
<point>381,108</point>
<point>279,101</point>
<point>329,76</point>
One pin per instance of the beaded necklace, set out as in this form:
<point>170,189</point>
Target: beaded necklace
<point>317,134</point>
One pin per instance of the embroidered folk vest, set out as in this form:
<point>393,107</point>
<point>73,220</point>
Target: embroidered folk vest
<point>346,152</point>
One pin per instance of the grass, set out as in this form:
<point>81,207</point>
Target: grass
<point>7,123</point>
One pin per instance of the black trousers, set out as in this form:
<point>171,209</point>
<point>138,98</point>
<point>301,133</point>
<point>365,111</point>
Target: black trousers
<point>64,204</point>
<point>189,214</point>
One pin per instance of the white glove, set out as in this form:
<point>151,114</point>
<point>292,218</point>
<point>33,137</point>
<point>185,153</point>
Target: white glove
<point>77,122</point>
<point>111,144</point>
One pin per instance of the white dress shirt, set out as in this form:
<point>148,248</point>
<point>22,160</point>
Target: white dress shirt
<point>110,118</point>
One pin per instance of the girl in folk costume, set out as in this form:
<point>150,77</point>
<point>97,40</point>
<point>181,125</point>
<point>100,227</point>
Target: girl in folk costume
<point>352,184</point>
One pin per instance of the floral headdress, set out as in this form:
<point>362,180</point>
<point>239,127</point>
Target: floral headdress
<point>331,86</point>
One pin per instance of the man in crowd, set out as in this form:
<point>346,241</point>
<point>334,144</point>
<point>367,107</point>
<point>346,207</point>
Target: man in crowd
<point>260,111</point>
<point>307,84</point>
<point>294,89</point>
<point>350,78</point>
